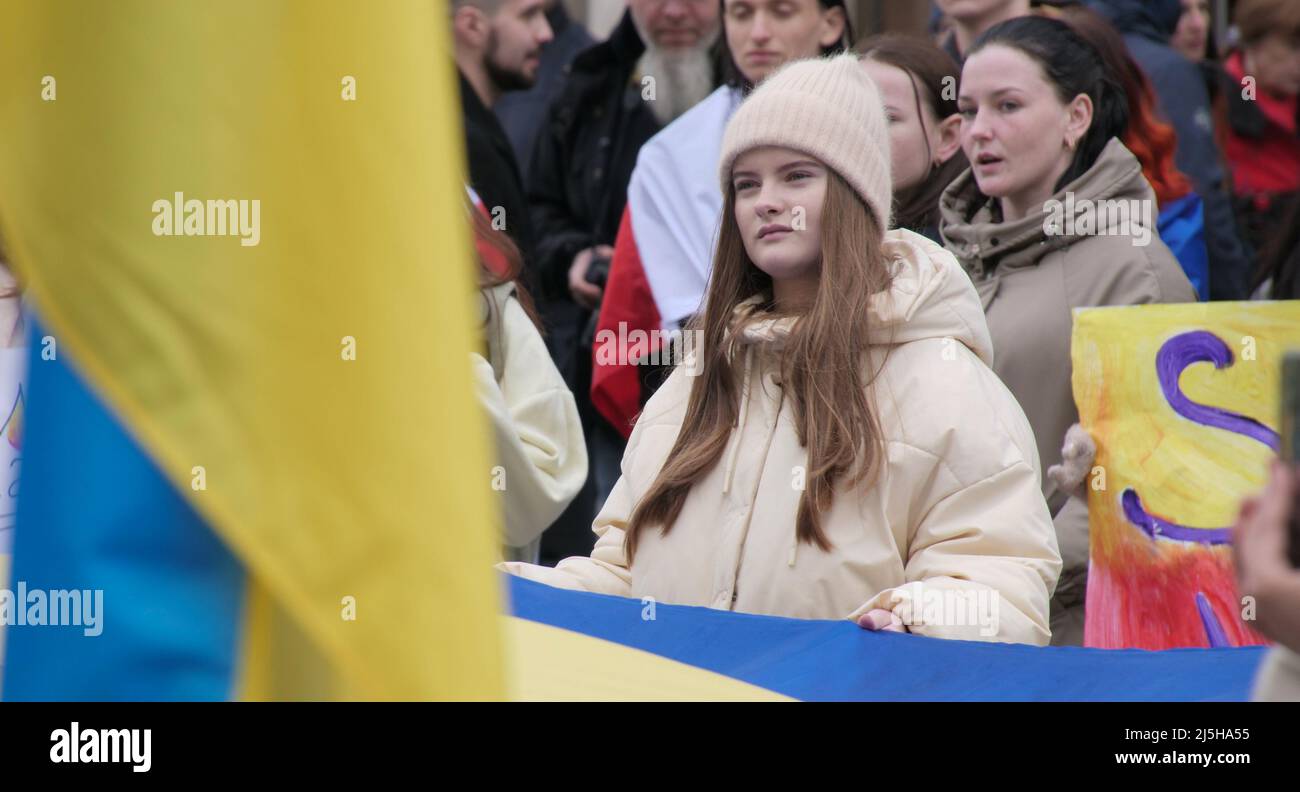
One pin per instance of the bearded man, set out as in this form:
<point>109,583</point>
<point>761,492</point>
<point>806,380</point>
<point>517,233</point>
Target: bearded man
<point>498,46</point>
<point>657,63</point>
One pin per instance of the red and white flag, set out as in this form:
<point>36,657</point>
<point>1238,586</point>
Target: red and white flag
<point>664,249</point>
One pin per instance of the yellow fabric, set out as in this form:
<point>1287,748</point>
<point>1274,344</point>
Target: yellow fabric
<point>1178,466</point>
<point>329,478</point>
<point>1142,592</point>
<point>551,664</point>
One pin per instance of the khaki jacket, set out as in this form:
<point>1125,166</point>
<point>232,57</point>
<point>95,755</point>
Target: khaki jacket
<point>1030,282</point>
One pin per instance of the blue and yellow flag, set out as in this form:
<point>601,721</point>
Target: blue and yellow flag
<point>248,459</point>
<point>573,644</point>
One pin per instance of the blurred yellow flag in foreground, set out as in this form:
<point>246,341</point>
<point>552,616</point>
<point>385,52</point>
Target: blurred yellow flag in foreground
<point>244,222</point>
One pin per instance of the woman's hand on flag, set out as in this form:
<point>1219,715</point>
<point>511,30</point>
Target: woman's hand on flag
<point>881,620</point>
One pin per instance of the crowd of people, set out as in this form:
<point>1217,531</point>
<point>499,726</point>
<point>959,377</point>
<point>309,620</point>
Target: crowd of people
<point>873,243</point>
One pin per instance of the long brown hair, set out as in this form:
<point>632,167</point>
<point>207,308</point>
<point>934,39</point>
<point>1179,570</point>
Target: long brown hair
<point>934,77</point>
<point>821,367</point>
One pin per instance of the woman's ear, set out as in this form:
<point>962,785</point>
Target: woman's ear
<point>832,26</point>
<point>1078,118</point>
<point>949,134</point>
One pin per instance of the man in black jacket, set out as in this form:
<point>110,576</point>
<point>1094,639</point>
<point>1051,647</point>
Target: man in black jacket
<point>522,112</point>
<point>655,65</point>
<point>498,46</point>
<point>588,143</point>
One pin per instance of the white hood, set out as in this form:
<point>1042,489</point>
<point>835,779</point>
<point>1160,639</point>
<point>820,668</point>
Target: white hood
<point>930,296</point>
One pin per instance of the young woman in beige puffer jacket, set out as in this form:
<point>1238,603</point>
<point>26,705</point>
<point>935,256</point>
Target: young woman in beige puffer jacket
<point>838,446</point>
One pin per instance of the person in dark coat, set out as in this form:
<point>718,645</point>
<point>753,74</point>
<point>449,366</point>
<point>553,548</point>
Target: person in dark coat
<point>498,45</point>
<point>656,64</point>
<point>522,112</point>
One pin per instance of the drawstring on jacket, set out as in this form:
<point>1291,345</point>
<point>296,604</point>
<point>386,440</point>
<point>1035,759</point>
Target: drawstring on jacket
<point>734,454</point>
<point>740,425</point>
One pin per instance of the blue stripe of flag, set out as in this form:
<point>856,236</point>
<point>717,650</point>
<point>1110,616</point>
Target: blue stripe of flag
<point>94,512</point>
<point>838,661</point>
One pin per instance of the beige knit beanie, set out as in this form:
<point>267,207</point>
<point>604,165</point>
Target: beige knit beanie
<point>826,107</point>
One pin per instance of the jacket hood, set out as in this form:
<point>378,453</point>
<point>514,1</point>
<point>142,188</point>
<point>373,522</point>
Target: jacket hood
<point>1151,19</point>
<point>981,243</point>
<point>929,296</point>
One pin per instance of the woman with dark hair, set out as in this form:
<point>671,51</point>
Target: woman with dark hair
<point>1181,219</point>
<point>1192,37</point>
<point>1053,215</point>
<point>741,45</point>
<point>918,83</point>
<point>540,462</point>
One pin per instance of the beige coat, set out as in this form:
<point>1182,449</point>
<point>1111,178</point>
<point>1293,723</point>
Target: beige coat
<point>956,512</point>
<point>541,457</point>
<point>1029,284</point>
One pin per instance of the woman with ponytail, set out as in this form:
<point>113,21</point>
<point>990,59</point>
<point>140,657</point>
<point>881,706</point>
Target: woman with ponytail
<point>1053,215</point>
<point>835,444</point>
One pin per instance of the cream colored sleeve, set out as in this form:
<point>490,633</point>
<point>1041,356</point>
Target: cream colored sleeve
<point>606,570</point>
<point>981,565</point>
<point>540,450</point>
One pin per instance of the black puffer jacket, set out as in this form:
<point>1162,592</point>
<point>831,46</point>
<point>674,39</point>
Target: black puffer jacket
<point>585,152</point>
